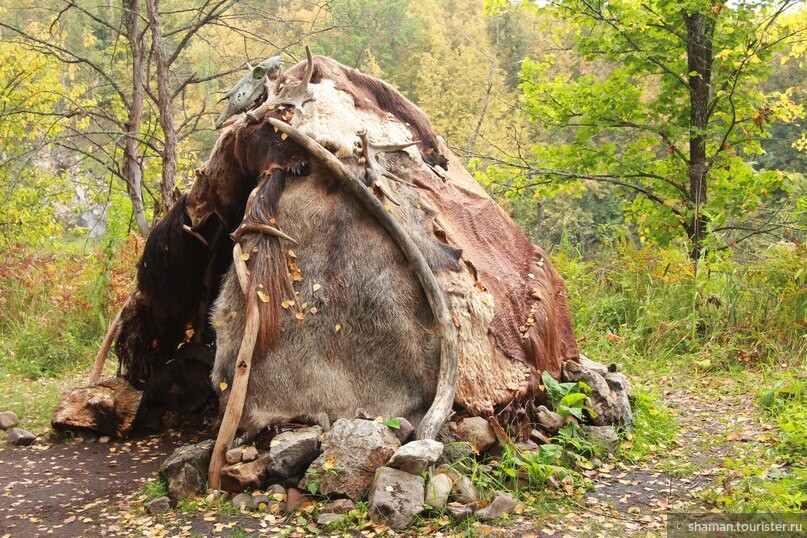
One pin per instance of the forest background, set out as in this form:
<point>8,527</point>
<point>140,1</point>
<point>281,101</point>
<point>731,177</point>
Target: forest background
<point>656,149</point>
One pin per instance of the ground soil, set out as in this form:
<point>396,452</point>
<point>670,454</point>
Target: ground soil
<point>76,488</point>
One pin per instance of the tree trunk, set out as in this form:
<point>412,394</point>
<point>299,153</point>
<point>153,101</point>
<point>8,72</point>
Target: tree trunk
<point>132,171</point>
<point>699,64</point>
<point>166,107</point>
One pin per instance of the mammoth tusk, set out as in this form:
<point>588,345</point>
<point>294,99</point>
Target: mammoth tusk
<point>240,268</point>
<point>447,377</point>
<point>111,334</point>
<point>260,228</point>
<point>238,394</point>
<point>193,233</point>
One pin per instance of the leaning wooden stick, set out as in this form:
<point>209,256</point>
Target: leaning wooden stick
<point>111,334</point>
<point>238,391</point>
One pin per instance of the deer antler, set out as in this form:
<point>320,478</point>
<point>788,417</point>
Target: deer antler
<point>447,377</point>
<point>294,95</point>
<point>370,151</point>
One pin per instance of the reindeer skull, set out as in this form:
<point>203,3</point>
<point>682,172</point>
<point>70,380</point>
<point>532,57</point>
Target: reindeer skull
<point>249,89</point>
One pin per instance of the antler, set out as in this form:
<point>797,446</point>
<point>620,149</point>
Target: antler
<point>370,151</point>
<point>447,376</point>
<point>295,95</point>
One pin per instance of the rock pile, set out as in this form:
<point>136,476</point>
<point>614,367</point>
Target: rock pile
<point>368,459</point>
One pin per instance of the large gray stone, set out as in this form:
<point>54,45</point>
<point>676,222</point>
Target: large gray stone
<point>396,497</point>
<point>476,431</point>
<point>594,366</point>
<point>622,390</point>
<point>417,456</point>
<point>602,436</point>
<point>550,421</point>
<point>185,470</point>
<point>502,503</point>
<point>19,437</point>
<point>351,452</point>
<point>291,452</point>
<point>438,489</point>
<point>8,419</point>
<point>601,400</point>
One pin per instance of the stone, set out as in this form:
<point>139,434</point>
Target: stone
<point>185,470</point>
<point>109,407</point>
<point>160,505</point>
<point>352,450</point>
<point>233,456</point>
<point>416,457</point>
<point>594,366</point>
<point>526,446</point>
<point>459,512</point>
<point>602,436</point>
<point>338,506</point>
<point>104,439</point>
<point>8,419</point>
<point>249,475</point>
<point>291,452</point>
<point>622,390</point>
<point>405,431</point>
<point>438,489</point>
<point>241,500</point>
<point>20,437</point>
<point>396,497</point>
<point>540,438</point>
<point>216,495</point>
<point>550,421</point>
<point>248,454</point>
<point>259,503</point>
<point>477,432</point>
<point>502,503</point>
<point>601,400</point>
<point>327,518</point>
<point>88,437</point>
<point>276,489</point>
<point>465,491</point>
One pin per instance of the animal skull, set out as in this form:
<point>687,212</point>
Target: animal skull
<point>249,89</point>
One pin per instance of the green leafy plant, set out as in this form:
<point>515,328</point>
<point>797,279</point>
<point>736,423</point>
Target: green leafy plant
<point>567,399</point>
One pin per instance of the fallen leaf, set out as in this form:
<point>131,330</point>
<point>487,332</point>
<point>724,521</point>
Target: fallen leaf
<point>68,520</point>
<point>337,328</point>
<point>735,436</point>
<point>245,256</point>
<point>299,315</point>
<point>292,254</point>
<point>264,297</point>
<point>223,386</point>
<point>316,287</point>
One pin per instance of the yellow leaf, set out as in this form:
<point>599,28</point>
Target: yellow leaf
<point>233,314</point>
<point>283,136</point>
<point>286,304</point>
<point>245,256</point>
<point>292,254</point>
<point>313,310</point>
<point>328,463</point>
<point>299,315</point>
<point>264,297</point>
<point>223,386</point>
<point>316,287</point>
<point>337,328</point>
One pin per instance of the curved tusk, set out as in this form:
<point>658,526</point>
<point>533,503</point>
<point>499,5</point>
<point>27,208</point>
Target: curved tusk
<point>193,233</point>
<point>260,228</point>
<point>111,334</point>
<point>449,353</point>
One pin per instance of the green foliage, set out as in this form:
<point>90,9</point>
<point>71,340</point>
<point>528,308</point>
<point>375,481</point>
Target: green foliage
<point>155,488</point>
<point>625,119</point>
<point>567,399</point>
<point>654,428</point>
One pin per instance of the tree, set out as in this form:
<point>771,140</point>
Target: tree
<point>675,117</point>
<point>148,70</point>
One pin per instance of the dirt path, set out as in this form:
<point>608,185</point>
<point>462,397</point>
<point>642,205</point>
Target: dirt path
<point>91,489</point>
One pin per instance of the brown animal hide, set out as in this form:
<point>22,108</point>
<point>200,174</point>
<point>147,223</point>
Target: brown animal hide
<point>345,325</point>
